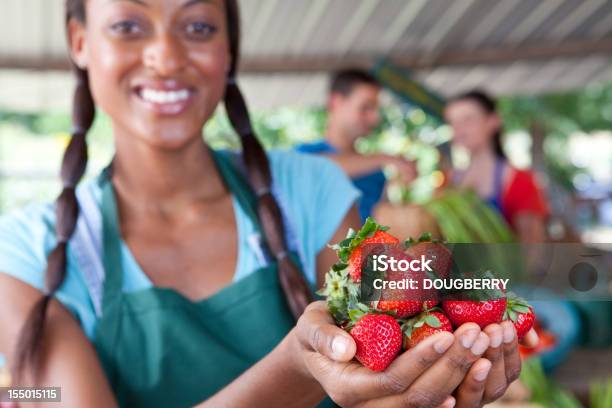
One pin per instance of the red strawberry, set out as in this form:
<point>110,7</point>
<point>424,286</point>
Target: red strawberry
<point>521,314</point>
<point>403,308</point>
<point>424,325</point>
<point>379,340</point>
<point>356,257</point>
<point>404,302</point>
<point>482,312</point>
<point>441,257</point>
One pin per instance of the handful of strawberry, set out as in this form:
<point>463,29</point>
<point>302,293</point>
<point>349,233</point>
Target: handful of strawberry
<point>382,328</point>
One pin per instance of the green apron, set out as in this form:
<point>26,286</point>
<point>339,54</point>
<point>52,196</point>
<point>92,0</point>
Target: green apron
<point>160,349</point>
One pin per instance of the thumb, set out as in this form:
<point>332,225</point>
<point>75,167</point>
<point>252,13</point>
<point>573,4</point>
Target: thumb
<point>318,332</point>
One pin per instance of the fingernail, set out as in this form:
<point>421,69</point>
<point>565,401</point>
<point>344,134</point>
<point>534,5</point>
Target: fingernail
<point>443,344</point>
<point>450,403</point>
<point>468,338</point>
<point>496,338</point>
<point>480,345</point>
<point>481,374</point>
<point>339,346</point>
<point>508,333</point>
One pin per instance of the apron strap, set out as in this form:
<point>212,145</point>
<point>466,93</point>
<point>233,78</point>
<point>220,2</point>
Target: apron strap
<point>237,184</point>
<point>231,168</point>
<point>111,244</point>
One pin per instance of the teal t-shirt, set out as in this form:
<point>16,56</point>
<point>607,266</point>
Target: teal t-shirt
<point>314,193</point>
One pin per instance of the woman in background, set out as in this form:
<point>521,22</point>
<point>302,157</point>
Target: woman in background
<point>514,193</point>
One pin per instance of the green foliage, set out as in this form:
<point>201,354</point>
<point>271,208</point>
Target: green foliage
<point>404,131</point>
<point>463,217</point>
<point>543,391</point>
<point>601,394</point>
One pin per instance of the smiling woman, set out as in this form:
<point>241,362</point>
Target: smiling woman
<point>177,276</point>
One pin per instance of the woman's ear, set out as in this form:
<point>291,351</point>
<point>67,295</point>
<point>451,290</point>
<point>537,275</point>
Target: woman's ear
<point>77,43</point>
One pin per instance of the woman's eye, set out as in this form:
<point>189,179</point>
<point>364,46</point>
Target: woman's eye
<point>126,28</point>
<point>201,29</point>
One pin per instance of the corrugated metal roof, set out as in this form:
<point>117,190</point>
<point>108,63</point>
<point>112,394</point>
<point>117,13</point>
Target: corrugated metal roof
<point>506,46</point>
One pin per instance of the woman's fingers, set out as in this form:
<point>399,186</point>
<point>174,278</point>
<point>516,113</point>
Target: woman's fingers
<point>434,386</point>
<point>512,358</point>
<point>350,383</point>
<point>316,331</point>
<point>531,339</point>
<point>496,381</point>
<point>413,363</point>
<point>470,392</point>
<point>449,403</point>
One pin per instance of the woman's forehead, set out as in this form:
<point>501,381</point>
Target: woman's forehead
<point>464,106</point>
<point>165,3</point>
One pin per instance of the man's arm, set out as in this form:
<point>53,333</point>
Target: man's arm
<point>355,164</point>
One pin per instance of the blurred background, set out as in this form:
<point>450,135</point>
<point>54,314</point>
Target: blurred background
<point>549,62</point>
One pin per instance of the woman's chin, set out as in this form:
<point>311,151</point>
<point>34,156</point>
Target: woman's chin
<point>171,138</point>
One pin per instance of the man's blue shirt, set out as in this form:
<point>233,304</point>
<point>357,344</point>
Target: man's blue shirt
<point>371,185</point>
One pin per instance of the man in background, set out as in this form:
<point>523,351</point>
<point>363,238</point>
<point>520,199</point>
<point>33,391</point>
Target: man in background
<point>353,112</point>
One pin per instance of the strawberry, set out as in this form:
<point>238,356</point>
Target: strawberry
<point>520,313</point>
<point>403,308</point>
<point>349,250</point>
<point>378,338</point>
<point>405,302</point>
<point>432,249</point>
<point>356,258</point>
<point>483,312</point>
<point>424,325</point>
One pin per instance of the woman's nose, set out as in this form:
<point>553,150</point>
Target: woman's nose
<point>165,55</point>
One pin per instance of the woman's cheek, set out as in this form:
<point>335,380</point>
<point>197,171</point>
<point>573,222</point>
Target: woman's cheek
<point>213,62</point>
<point>111,67</point>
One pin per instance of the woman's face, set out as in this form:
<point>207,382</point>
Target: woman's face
<point>158,68</point>
<point>473,128</point>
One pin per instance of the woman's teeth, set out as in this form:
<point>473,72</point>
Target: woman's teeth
<point>161,97</point>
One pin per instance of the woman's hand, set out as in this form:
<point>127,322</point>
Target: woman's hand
<point>504,361</point>
<point>425,376</point>
<point>443,365</point>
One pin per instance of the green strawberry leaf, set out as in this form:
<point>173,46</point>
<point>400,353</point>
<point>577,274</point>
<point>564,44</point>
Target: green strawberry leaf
<point>425,237</point>
<point>520,308</point>
<point>345,247</point>
<point>351,233</point>
<point>420,323</point>
<point>338,309</point>
<point>338,266</point>
<point>407,329</point>
<point>432,321</point>
<point>355,314</point>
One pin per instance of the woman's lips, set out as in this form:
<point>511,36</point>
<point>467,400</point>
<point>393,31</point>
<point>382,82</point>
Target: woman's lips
<point>165,101</point>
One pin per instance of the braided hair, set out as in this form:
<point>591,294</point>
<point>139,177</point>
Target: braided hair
<point>292,281</point>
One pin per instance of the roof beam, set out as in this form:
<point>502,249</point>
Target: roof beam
<point>324,63</point>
